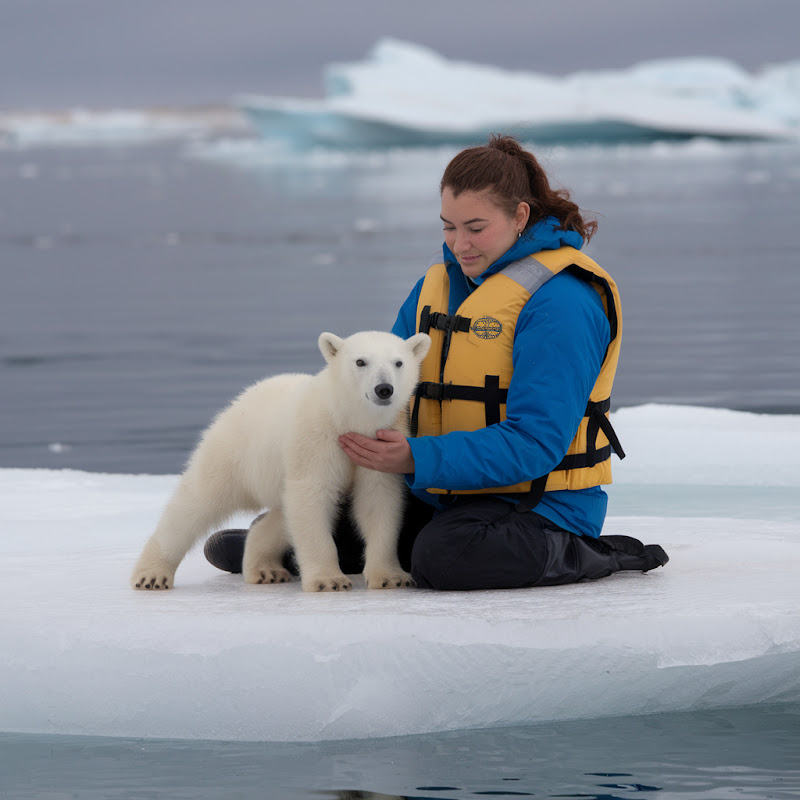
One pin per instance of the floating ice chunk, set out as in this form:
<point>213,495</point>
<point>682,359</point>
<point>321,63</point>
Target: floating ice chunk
<point>59,447</point>
<point>687,445</point>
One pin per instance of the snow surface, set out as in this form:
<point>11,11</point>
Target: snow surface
<point>408,94</point>
<point>214,658</point>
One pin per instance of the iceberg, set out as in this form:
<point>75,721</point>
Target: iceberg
<point>404,94</point>
<point>216,659</point>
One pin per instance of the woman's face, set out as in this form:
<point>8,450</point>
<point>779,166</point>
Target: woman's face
<point>477,231</point>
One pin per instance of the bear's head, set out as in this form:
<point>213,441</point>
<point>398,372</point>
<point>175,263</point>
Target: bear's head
<point>375,371</point>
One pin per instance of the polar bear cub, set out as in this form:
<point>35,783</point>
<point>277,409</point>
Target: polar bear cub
<point>276,447</point>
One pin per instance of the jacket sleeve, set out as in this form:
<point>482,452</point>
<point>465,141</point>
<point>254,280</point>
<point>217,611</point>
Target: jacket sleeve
<point>559,345</point>
<point>405,325</point>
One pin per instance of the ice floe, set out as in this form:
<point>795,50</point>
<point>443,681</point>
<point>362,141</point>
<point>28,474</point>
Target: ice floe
<point>217,659</point>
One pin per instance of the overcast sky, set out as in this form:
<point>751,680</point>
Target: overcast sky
<point>105,53</point>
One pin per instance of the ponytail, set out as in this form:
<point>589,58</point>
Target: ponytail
<point>513,175</point>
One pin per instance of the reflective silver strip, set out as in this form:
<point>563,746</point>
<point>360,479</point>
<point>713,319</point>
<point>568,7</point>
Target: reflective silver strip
<point>528,273</point>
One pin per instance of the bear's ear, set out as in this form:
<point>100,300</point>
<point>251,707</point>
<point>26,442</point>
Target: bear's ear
<point>420,343</point>
<point>329,345</point>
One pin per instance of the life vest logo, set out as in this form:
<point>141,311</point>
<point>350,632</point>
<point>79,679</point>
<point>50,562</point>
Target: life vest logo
<point>487,328</point>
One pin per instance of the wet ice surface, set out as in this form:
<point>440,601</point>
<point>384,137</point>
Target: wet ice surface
<point>217,659</point>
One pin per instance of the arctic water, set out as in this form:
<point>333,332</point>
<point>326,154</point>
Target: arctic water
<point>743,753</point>
<point>145,285</point>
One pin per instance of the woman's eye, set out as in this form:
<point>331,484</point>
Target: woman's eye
<point>449,229</point>
<point>398,363</point>
<point>475,230</point>
<point>361,363</point>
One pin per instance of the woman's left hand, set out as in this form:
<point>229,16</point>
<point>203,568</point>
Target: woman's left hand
<point>389,452</point>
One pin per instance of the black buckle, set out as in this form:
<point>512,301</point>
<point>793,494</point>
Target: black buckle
<point>445,322</point>
<point>434,391</point>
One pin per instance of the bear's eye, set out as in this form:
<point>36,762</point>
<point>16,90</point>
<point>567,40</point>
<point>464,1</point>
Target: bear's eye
<point>361,363</point>
<point>398,363</point>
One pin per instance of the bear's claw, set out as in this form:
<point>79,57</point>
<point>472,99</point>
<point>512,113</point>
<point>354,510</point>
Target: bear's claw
<point>152,583</point>
<point>328,584</point>
<point>274,576</point>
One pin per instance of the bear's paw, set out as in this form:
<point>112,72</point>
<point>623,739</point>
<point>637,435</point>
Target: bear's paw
<point>272,574</point>
<point>388,579</point>
<point>327,583</point>
<point>152,570</point>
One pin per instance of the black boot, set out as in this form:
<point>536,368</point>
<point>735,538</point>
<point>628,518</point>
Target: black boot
<point>633,555</point>
<point>575,558</point>
<point>225,550</point>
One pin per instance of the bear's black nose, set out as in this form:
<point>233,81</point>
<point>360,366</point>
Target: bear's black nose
<point>384,390</point>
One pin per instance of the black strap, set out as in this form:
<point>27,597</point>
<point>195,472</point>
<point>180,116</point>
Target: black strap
<point>493,397</point>
<point>598,421</point>
<point>608,429</point>
<point>490,394</point>
<point>429,390</point>
<point>531,498</point>
<point>414,422</point>
<point>582,460</point>
<point>449,323</point>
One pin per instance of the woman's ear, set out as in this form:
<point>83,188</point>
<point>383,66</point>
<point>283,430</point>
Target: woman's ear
<point>522,216</point>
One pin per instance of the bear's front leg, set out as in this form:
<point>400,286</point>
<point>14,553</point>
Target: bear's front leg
<point>153,570</point>
<point>311,513</point>
<point>378,512</point>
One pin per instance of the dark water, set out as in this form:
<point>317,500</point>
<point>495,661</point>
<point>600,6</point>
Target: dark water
<point>741,753</point>
<point>140,289</point>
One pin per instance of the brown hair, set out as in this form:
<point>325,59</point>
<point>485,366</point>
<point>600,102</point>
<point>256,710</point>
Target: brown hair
<point>513,175</point>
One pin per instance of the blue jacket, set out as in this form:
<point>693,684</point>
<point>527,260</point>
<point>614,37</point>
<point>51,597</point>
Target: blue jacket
<point>561,338</point>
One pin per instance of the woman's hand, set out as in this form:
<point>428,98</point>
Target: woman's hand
<point>389,452</point>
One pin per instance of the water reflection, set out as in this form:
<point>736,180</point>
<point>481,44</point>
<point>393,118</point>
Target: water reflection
<point>749,753</point>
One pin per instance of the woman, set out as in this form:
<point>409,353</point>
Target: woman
<point>512,441</point>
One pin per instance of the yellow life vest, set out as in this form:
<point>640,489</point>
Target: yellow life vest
<point>466,374</point>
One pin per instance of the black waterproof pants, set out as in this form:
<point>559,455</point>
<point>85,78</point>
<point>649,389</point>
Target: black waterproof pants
<point>485,543</point>
<point>480,543</point>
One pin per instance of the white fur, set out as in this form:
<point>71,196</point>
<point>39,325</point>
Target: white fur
<point>276,446</point>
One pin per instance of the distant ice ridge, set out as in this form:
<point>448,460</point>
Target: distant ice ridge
<point>215,658</point>
<point>116,126</point>
<point>406,94</point>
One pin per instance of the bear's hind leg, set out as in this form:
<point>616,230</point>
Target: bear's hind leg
<point>264,549</point>
<point>193,510</point>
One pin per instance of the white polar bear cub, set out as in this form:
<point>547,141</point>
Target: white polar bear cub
<point>276,446</point>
